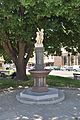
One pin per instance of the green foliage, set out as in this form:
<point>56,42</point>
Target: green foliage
<point>60,19</point>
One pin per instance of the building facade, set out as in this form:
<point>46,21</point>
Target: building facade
<point>65,59</point>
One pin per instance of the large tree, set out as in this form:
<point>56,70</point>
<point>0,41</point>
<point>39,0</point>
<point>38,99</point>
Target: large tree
<point>19,20</point>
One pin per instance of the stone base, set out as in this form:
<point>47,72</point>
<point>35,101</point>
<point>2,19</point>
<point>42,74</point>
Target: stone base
<point>39,89</point>
<point>52,96</point>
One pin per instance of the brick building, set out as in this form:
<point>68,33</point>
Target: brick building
<point>65,59</point>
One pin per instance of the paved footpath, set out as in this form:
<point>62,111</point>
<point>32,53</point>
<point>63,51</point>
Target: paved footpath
<point>63,73</point>
<point>11,109</point>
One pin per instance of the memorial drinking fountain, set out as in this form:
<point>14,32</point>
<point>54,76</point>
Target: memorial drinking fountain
<point>40,93</point>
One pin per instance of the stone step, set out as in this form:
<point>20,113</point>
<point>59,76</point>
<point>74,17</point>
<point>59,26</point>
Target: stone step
<point>48,100</point>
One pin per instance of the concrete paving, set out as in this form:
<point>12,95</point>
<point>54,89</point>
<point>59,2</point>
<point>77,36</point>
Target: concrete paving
<point>63,73</point>
<point>69,109</point>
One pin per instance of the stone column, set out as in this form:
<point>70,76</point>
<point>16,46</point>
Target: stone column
<point>39,51</point>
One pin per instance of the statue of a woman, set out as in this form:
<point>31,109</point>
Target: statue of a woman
<point>40,36</point>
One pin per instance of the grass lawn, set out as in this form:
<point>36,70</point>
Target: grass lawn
<point>52,81</point>
<point>58,81</point>
<point>7,83</point>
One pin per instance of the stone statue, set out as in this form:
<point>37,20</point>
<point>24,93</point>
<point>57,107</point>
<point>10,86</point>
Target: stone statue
<point>40,36</point>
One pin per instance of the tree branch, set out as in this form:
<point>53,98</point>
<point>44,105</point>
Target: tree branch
<point>7,47</point>
<point>29,53</point>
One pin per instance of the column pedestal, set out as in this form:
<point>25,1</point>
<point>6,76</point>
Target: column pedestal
<point>39,80</point>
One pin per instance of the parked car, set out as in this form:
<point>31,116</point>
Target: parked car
<point>63,68</point>
<point>48,67</point>
<point>56,68</point>
<point>69,68</point>
<point>52,67</point>
<point>76,68</point>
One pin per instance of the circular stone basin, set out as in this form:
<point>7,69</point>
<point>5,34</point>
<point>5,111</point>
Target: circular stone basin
<point>40,73</point>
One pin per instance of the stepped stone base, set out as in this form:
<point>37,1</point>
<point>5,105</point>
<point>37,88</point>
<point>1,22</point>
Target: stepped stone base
<point>52,96</point>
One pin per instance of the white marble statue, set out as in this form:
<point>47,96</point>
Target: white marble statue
<point>40,36</point>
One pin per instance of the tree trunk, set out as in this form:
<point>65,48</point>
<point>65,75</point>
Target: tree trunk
<point>18,59</point>
<point>20,70</point>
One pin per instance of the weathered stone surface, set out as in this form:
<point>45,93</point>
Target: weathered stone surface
<point>39,51</point>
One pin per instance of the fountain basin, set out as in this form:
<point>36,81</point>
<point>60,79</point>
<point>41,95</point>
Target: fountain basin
<point>39,73</point>
<point>39,80</point>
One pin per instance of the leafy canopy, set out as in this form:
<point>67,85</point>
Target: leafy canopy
<point>60,19</point>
